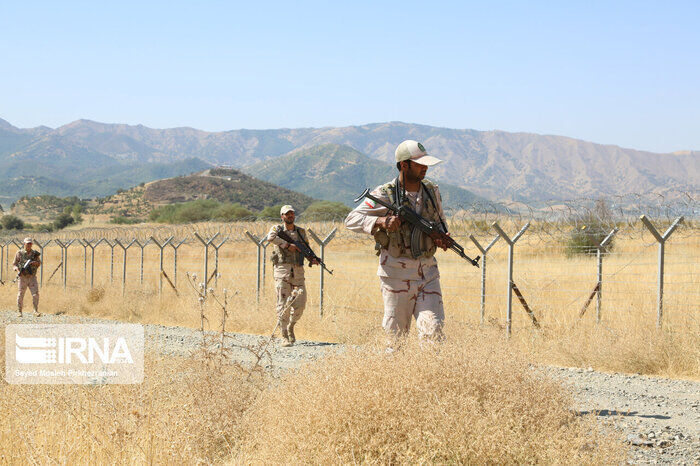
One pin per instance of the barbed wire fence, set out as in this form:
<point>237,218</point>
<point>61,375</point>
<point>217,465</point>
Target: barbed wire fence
<point>644,251</point>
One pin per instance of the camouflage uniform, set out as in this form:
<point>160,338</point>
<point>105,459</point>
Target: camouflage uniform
<point>410,287</point>
<point>27,280</point>
<point>289,274</point>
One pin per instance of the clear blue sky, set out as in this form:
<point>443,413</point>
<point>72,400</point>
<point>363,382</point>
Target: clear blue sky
<point>625,73</point>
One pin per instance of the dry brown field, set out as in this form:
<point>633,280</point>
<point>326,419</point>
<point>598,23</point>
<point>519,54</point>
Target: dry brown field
<point>492,408</point>
<point>554,285</point>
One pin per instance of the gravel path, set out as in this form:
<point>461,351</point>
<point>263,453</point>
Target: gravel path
<point>660,418</point>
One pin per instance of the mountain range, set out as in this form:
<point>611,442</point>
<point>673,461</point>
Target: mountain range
<point>340,173</point>
<point>90,158</point>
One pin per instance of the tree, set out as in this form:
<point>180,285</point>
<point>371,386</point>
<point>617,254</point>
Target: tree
<point>326,210</point>
<point>231,212</point>
<point>270,212</point>
<point>11,222</point>
<point>76,211</point>
<point>63,221</point>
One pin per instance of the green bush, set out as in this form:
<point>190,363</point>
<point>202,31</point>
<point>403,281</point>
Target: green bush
<point>201,210</point>
<point>594,227</point>
<point>270,212</point>
<point>11,222</point>
<point>63,221</point>
<point>44,227</point>
<point>231,212</point>
<point>326,210</point>
<point>121,220</point>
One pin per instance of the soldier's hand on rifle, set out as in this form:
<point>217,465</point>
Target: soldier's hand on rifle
<point>442,242</point>
<point>389,223</point>
<point>293,248</point>
<point>313,262</point>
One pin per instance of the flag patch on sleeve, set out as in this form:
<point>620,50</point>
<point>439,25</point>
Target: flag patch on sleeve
<point>370,203</point>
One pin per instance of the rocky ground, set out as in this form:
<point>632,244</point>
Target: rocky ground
<point>659,418</point>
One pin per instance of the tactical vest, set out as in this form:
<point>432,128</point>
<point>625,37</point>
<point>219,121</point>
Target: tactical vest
<point>25,256</point>
<point>284,255</point>
<point>398,243</point>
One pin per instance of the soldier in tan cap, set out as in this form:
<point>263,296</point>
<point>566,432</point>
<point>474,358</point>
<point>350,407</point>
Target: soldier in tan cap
<point>410,285</point>
<point>288,272</point>
<point>25,265</point>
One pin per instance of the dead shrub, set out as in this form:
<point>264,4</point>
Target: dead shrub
<point>466,401</point>
<point>95,295</point>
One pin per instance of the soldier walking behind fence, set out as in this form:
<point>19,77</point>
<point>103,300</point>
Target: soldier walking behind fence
<point>288,272</point>
<point>25,265</point>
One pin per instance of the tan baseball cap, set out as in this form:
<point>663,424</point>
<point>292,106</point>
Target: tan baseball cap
<point>28,240</point>
<point>414,150</point>
<point>285,209</point>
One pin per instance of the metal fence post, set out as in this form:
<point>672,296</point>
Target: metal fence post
<point>206,244</point>
<point>41,266</point>
<point>662,246</point>
<point>111,259</point>
<point>92,260</point>
<point>64,257</point>
<point>63,262</point>
<point>258,244</point>
<point>124,248</point>
<point>599,256</point>
<point>175,248</point>
<point>216,260</point>
<point>264,244</point>
<point>484,252</point>
<point>160,270</point>
<point>322,244</point>
<point>511,246</point>
<point>142,246</point>
<point>83,242</point>
<point>2,258</point>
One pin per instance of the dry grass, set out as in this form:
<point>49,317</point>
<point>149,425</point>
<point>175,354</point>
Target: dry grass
<point>468,401</point>
<point>186,411</point>
<point>465,402</point>
<point>555,286</point>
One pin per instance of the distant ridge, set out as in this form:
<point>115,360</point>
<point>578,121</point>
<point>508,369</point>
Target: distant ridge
<point>493,164</point>
<point>340,173</point>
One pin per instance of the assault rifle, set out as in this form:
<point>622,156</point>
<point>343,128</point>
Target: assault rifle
<point>304,248</point>
<point>26,269</point>
<point>436,231</point>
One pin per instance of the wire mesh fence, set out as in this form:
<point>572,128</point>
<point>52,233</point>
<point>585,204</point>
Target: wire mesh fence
<point>567,264</point>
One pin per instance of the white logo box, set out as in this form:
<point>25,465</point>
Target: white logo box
<point>93,354</point>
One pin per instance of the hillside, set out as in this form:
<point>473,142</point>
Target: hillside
<point>494,164</point>
<point>222,185</point>
<point>340,173</point>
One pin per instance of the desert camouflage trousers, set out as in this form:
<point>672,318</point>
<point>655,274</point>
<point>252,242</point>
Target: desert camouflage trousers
<point>294,312</point>
<point>419,299</point>
<point>24,282</point>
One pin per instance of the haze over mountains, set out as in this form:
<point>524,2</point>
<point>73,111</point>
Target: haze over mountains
<point>91,157</point>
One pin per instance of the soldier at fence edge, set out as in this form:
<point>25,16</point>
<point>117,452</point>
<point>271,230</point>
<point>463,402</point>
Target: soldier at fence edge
<point>288,264</point>
<point>410,286</point>
<point>26,276</point>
